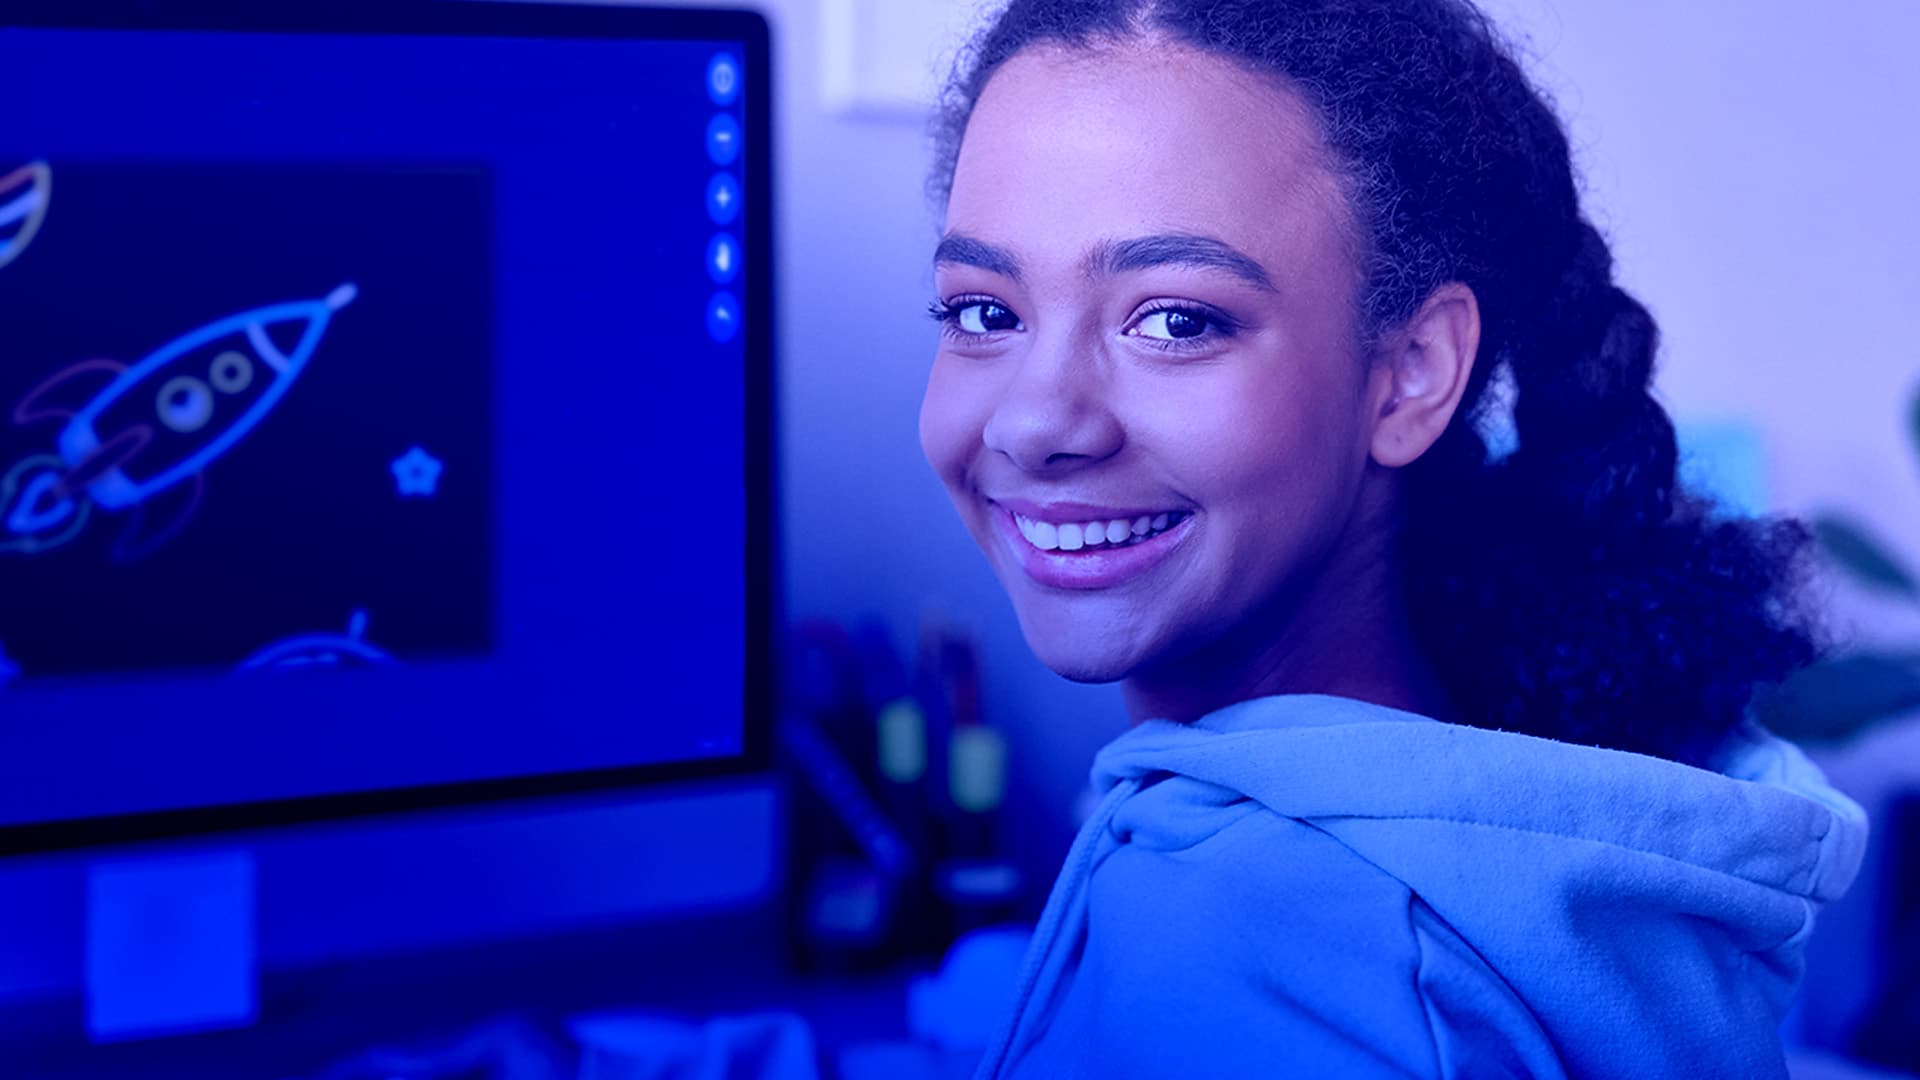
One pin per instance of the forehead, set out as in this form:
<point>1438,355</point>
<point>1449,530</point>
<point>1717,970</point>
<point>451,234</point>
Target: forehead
<point>1069,148</point>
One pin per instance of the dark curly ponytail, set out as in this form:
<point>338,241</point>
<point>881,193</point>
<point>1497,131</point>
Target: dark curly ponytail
<point>1569,589</point>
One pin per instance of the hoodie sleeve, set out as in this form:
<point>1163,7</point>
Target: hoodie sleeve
<point>1268,948</point>
<point>1480,1026</point>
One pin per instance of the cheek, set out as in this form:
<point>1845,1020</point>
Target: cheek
<point>1265,450</point>
<point>951,422</point>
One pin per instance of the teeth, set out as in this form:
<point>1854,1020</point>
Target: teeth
<point>1085,534</point>
<point>1041,534</point>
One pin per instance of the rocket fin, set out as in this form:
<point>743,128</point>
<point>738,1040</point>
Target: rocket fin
<point>67,391</point>
<point>154,521</point>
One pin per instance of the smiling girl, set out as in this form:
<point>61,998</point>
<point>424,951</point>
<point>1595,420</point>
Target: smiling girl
<point>1439,764</point>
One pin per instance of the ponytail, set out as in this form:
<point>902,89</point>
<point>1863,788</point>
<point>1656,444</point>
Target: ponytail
<point>1572,590</point>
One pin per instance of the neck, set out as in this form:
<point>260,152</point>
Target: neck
<point>1343,632</point>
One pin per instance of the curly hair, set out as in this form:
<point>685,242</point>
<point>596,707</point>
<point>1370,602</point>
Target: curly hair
<point>1568,589</point>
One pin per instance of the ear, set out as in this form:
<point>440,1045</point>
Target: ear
<point>1420,374</point>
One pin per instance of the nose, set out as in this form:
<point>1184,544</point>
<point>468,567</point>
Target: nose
<point>1055,412</point>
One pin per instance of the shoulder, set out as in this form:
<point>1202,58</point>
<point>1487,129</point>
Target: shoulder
<point>1309,955</point>
<point>1311,905</point>
<point>1268,932</point>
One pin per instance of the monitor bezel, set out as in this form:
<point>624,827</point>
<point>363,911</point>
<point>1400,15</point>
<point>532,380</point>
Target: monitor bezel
<point>499,18</point>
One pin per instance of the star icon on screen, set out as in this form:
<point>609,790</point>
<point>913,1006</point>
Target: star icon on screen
<point>416,472</point>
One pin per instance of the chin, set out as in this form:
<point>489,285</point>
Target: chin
<point>1082,655</point>
<point>1081,668</point>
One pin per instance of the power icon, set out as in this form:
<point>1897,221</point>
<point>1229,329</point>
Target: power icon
<point>723,79</point>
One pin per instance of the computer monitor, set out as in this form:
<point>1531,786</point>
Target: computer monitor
<point>385,409</point>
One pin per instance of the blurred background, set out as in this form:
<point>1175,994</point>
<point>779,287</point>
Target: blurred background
<point>1752,164</point>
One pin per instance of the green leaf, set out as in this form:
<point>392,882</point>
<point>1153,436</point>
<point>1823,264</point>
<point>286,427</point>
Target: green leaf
<point>1913,421</point>
<point>1863,556</point>
<point>1837,698</point>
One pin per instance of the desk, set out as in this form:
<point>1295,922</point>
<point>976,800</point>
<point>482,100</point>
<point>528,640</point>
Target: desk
<point>717,964</point>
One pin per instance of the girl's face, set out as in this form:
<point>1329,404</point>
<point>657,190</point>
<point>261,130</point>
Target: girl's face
<point>1147,403</point>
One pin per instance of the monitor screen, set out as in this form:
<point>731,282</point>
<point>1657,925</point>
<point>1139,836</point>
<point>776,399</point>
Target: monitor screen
<point>383,409</point>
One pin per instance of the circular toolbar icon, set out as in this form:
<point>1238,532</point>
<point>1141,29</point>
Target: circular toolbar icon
<point>723,199</point>
<point>723,139</point>
<point>723,259</point>
<point>723,79</point>
<point>723,317</point>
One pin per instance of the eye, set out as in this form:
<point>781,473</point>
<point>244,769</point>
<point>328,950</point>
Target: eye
<point>976,315</point>
<point>1172,324</point>
<point>986,318</point>
<point>1181,325</point>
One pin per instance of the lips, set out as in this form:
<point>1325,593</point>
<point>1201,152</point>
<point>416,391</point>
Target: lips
<point>1063,512</point>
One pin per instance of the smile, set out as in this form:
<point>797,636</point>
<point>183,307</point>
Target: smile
<point>1078,536</point>
<point>1091,554</point>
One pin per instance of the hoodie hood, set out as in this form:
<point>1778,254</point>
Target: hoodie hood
<point>1650,916</point>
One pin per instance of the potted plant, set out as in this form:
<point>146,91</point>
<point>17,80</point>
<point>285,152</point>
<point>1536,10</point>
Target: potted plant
<point>1840,695</point>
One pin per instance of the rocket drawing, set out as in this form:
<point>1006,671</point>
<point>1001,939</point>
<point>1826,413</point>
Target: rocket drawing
<point>24,195</point>
<point>135,439</point>
<point>322,650</point>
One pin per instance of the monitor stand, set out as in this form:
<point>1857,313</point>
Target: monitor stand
<point>192,936</point>
<point>170,944</point>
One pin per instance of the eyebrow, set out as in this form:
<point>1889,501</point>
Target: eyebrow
<point>966,251</point>
<point>1176,249</point>
<point>1116,256</point>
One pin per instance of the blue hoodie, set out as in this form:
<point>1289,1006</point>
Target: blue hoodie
<point>1315,886</point>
